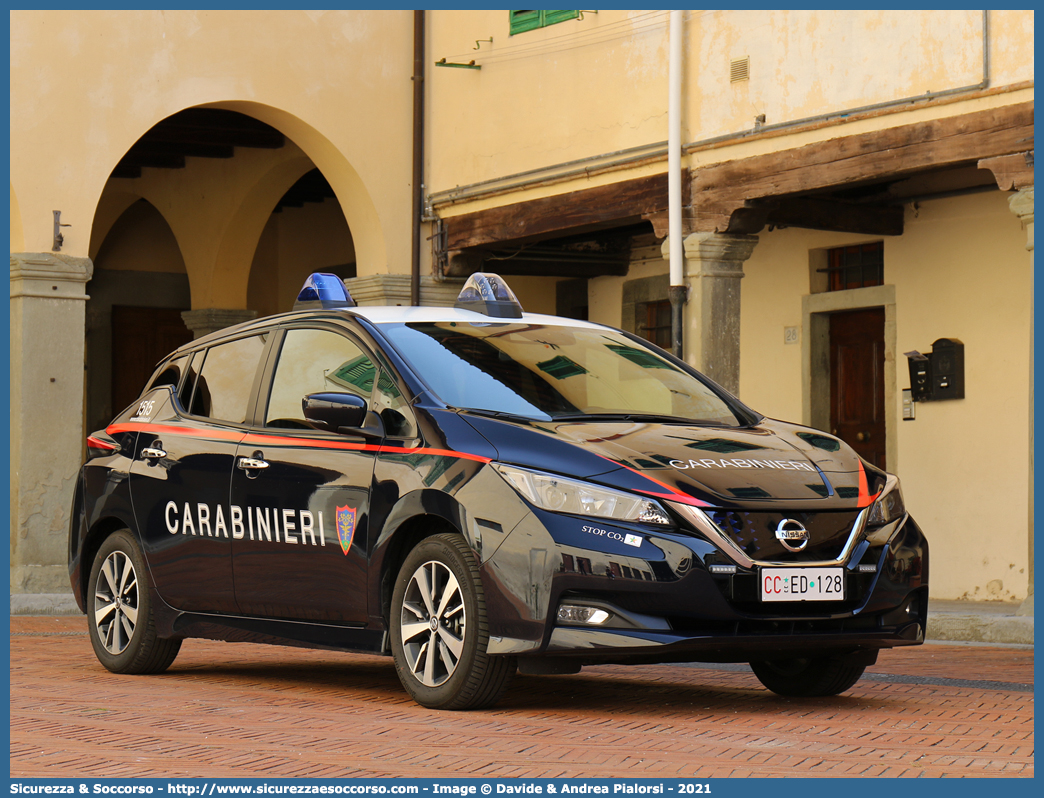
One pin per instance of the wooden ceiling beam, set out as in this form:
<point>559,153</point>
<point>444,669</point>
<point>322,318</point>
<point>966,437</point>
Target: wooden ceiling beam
<point>815,213</point>
<point>1011,172</point>
<point>626,202</point>
<point>154,160</point>
<point>723,189</point>
<point>145,148</point>
<point>177,134</point>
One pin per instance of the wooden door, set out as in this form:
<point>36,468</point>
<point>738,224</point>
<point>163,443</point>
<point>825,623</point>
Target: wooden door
<point>857,381</point>
<point>141,337</point>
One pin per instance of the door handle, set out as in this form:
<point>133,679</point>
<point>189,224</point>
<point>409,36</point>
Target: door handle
<point>153,454</point>
<point>862,436</point>
<point>251,463</point>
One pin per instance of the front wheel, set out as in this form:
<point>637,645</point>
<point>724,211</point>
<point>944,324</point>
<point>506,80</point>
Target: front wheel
<point>119,610</point>
<point>824,676</point>
<point>439,630</point>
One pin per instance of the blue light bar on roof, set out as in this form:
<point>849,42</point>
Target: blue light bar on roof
<point>489,295</point>
<point>323,291</point>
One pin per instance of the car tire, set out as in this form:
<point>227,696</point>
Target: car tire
<point>445,664</point>
<point>803,678</point>
<point>119,610</point>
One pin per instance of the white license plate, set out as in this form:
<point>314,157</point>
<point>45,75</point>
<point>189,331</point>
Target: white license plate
<point>802,584</point>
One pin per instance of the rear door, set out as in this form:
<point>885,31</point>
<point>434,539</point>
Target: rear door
<point>304,495</point>
<point>181,474</point>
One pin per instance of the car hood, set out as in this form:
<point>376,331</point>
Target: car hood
<point>719,466</point>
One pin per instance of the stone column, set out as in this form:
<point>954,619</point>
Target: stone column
<point>1021,204</point>
<point>713,269</point>
<point>394,289</point>
<point>204,321</point>
<point>48,300</point>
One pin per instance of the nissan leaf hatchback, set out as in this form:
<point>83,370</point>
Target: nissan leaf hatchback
<point>477,490</point>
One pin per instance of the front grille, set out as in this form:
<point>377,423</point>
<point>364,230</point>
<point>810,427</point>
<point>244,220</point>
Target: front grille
<point>755,533</point>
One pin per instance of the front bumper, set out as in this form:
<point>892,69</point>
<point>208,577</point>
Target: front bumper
<point>665,605</point>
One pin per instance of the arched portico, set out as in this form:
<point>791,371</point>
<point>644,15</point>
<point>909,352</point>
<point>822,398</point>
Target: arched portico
<point>352,194</point>
<point>189,232</point>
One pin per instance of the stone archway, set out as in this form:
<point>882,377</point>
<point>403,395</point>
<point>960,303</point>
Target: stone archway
<point>220,201</point>
<point>137,292</point>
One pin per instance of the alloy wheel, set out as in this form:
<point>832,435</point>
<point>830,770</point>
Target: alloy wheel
<point>116,602</point>
<point>433,623</point>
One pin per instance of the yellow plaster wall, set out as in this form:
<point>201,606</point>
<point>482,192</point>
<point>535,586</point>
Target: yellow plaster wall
<point>605,294</point>
<point>960,270</point>
<point>141,241</point>
<point>599,85</point>
<point>17,240</point>
<point>336,82</point>
<point>966,461</point>
<point>543,96</point>
<point>302,252</point>
<point>535,294</point>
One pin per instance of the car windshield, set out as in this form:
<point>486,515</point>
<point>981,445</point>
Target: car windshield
<point>544,372</point>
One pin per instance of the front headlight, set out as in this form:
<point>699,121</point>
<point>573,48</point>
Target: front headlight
<point>889,505</point>
<point>561,495</point>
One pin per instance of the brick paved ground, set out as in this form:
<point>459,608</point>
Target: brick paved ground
<point>240,710</point>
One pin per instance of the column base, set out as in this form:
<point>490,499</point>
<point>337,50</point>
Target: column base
<point>40,579</point>
<point>1026,607</point>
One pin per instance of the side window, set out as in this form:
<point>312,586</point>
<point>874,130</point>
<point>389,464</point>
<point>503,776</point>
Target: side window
<point>169,374</point>
<point>393,408</point>
<point>223,387</point>
<point>311,361</point>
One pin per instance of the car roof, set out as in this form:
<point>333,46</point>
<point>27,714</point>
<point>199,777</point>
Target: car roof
<point>379,315</point>
<point>429,314</point>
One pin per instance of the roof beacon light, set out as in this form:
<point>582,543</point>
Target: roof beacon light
<point>489,295</point>
<point>323,291</point>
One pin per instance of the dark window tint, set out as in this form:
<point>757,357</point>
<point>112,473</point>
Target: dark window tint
<point>170,374</point>
<point>311,361</point>
<point>223,388</point>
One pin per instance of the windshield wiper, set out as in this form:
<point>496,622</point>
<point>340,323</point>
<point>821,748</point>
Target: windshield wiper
<point>499,414</point>
<point>650,417</point>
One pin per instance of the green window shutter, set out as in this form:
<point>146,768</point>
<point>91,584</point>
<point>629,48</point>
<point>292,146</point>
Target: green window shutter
<point>522,21</point>
<point>551,17</point>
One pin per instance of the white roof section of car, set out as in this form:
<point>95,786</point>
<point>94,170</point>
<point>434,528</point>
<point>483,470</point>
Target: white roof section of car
<point>405,315</point>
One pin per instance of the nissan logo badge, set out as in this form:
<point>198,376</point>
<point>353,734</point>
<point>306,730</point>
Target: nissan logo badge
<point>792,534</point>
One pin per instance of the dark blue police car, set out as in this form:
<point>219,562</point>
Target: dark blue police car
<point>477,490</point>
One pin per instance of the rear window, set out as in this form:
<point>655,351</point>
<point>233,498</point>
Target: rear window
<point>222,390</point>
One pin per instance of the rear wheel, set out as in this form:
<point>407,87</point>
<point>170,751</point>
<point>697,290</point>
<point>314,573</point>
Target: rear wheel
<point>822,676</point>
<point>119,610</point>
<point>439,630</point>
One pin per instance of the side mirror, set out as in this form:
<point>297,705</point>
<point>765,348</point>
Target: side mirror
<point>333,412</point>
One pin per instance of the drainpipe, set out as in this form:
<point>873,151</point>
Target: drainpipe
<point>674,193</point>
<point>418,152</point>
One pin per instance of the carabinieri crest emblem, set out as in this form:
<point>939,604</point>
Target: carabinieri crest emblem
<point>345,526</point>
